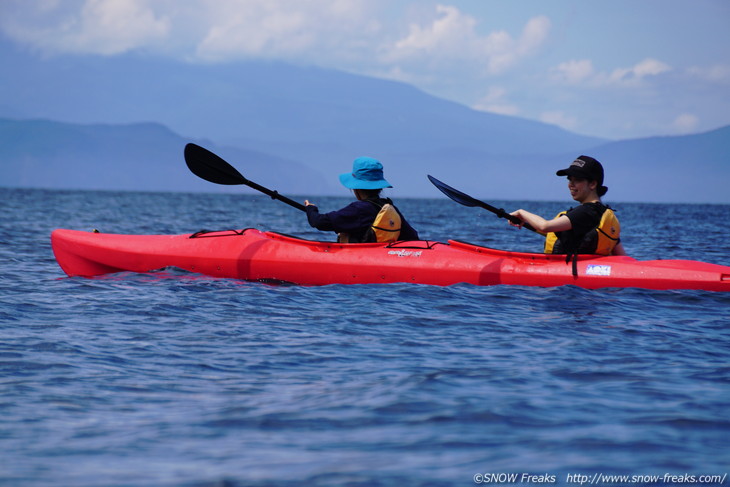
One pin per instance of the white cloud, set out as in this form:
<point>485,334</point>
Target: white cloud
<point>95,26</point>
<point>495,101</point>
<point>634,74</point>
<point>719,73</point>
<point>336,33</point>
<point>209,29</point>
<point>650,67</point>
<point>450,32</point>
<point>281,28</point>
<point>560,119</point>
<point>582,72</point>
<point>452,38</point>
<point>685,123</point>
<point>254,28</point>
<point>574,72</point>
<point>502,52</point>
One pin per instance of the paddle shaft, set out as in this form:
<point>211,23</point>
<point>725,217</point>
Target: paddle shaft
<point>274,194</point>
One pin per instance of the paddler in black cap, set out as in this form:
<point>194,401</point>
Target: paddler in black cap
<point>592,227</point>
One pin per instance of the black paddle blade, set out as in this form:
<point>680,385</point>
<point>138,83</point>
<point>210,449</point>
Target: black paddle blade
<point>206,165</point>
<point>454,194</point>
<point>466,200</point>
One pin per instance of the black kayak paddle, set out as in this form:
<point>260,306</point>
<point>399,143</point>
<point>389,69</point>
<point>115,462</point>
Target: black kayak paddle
<point>466,200</point>
<point>206,165</point>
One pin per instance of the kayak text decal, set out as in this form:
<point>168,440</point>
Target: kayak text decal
<point>598,270</point>
<point>405,253</point>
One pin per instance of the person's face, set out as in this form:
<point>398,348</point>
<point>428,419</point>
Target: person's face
<point>581,189</point>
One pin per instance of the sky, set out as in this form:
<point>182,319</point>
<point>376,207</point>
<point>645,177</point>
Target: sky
<point>616,69</point>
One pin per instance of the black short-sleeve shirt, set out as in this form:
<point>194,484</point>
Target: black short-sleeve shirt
<point>584,219</point>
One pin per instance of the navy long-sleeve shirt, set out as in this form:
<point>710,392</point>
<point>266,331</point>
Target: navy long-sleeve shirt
<point>354,219</point>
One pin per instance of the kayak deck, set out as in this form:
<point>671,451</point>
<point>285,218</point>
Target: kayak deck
<point>254,255</point>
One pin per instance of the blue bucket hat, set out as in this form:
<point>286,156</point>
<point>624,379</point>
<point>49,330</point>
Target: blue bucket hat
<point>367,173</point>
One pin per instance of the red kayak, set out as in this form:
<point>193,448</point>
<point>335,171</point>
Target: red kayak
<point>271,257</point>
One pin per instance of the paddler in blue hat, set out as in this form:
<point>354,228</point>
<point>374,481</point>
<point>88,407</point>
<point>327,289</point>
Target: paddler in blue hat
<point>370,218</point>
<point>591,227</point>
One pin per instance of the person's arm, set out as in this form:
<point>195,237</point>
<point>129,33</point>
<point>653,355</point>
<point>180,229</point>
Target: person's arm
<point>315,219</point>
<point>619,249</point>
<point>557,224</point>
<point>353,218</point>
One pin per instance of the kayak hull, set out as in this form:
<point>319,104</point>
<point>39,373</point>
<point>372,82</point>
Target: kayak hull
<point>271,257</point>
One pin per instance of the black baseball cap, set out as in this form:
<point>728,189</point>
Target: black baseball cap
<point>586,167</point>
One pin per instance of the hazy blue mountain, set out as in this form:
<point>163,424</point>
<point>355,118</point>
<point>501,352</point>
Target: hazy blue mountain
<point>296,128</point>
<point>148,156</point>
<point>262,103</point>
<point>318,117</point>
<point>691,168</point>
<point>145,156</point>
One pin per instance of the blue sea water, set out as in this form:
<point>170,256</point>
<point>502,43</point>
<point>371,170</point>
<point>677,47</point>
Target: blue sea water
<point>176,379</point>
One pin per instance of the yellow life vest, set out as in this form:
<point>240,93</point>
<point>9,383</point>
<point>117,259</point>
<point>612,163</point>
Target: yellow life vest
<point>609,231</point>
<point>552,237</point>
<point>607,234</point>
<point>387,224</point>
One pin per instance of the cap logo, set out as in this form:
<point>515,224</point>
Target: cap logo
<point>579,163</point>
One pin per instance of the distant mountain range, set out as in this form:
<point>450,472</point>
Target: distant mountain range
<point>136,157</point>
<point>122,122</point>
